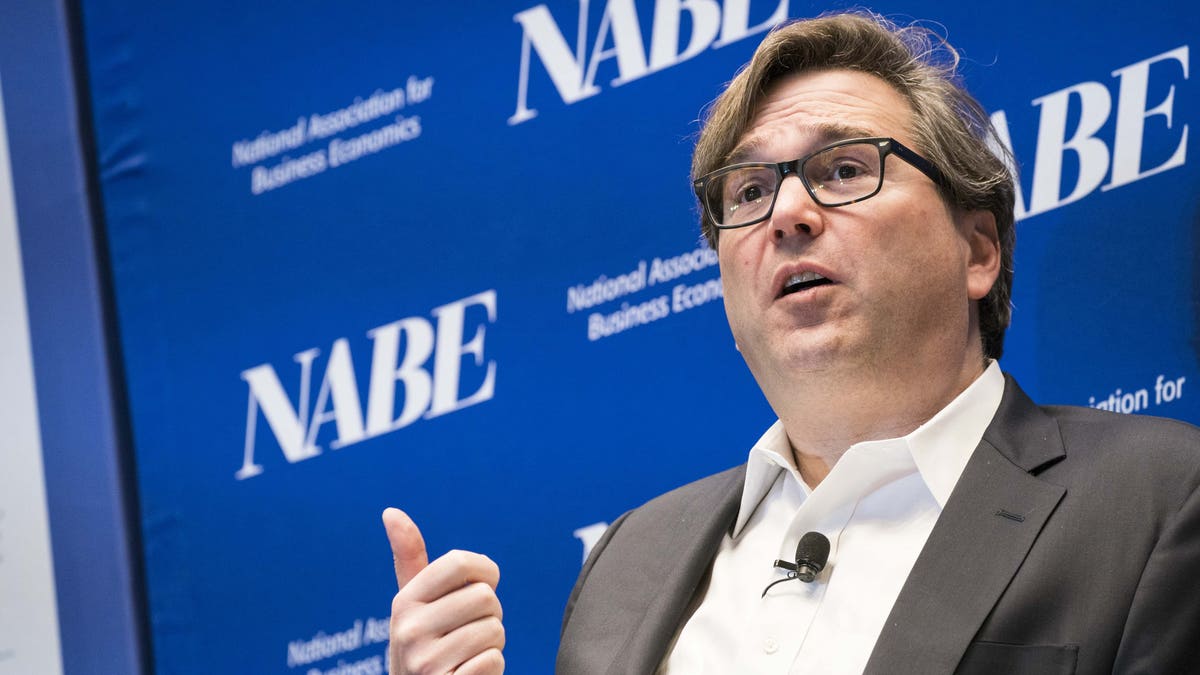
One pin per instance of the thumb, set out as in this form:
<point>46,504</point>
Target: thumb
<point>408,547</point>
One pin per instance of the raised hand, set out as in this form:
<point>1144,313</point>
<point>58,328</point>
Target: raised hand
<point>446,617</point>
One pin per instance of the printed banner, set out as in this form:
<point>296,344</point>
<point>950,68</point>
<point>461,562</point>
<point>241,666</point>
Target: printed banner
<point>374,254</point>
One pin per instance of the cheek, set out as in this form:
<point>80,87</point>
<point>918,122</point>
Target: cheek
<point>738,270</point>
<point>916,262</point>
<point>738,261</point>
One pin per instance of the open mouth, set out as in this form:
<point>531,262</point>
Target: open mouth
<point>802,282</point>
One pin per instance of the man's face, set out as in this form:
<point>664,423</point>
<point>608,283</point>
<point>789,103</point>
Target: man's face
<point>902,267</point>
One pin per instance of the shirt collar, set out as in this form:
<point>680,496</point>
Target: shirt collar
<point>940,447</point>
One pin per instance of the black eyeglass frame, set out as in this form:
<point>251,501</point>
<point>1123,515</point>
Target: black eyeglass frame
<point>885,145</point>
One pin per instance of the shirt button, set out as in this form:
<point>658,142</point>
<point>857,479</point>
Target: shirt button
<point>770,645</point>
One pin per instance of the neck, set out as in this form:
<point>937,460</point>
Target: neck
<point>826,413</point>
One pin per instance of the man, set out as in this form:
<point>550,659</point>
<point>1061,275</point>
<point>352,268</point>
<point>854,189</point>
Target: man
<point>865,232</point>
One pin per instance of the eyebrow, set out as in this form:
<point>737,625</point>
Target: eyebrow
<point>820,135</point>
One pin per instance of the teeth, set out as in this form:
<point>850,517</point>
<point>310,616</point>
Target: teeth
<point>803,277</point>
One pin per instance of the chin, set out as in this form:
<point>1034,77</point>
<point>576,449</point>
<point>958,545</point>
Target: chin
<point>809,356</point>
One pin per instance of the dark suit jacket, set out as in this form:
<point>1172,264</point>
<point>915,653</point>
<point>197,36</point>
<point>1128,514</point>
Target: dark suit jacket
<point>1071,544</point>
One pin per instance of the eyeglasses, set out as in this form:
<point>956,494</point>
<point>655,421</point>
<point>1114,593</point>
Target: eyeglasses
<point>839,174</point>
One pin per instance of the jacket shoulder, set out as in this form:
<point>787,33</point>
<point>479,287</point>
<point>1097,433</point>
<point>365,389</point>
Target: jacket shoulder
<point>681,498</point>
<point>1133,459</point>
<point>1153,436</point>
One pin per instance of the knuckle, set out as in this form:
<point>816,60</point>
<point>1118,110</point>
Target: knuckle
<point>494,607</point>
<point>495,629</point>
<point>461,563</point>
<point>406,631</point>
<point>480,594</point>
<point>417,661</point>
<point>461,559</point>
<point>493,661</point>
<point>482,600</point>
<point>492,568</point>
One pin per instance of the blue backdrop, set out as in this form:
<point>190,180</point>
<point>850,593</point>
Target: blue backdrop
<point>369,254</point>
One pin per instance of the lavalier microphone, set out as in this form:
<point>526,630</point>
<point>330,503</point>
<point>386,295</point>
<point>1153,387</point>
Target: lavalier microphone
<point>811,555</point>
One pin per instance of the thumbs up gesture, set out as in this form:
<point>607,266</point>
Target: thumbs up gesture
<point>446,616</point>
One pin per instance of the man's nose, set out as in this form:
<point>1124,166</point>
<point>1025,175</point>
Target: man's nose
<point>795,211</point>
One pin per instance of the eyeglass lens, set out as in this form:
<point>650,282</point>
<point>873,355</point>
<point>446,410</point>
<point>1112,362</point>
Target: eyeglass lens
<point>835,176</point>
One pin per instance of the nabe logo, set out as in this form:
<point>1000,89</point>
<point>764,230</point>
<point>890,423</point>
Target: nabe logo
<point>573,72</point>
<point>426,393</point>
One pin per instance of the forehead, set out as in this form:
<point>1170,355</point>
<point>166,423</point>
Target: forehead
<point>804,111</point>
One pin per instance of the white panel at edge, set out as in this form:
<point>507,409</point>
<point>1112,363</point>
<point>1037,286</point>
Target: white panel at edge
<point>29,641</point>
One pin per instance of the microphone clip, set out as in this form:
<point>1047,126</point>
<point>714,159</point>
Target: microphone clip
<point>811,555</point>
<point>804,570</point>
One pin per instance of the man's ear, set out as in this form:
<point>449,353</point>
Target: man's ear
<point>983,249</point>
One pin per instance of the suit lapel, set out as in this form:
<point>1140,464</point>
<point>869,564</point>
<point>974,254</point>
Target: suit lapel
<point>990,522</point>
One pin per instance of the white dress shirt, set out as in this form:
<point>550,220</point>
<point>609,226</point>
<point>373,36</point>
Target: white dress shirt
<point>877,507</point>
